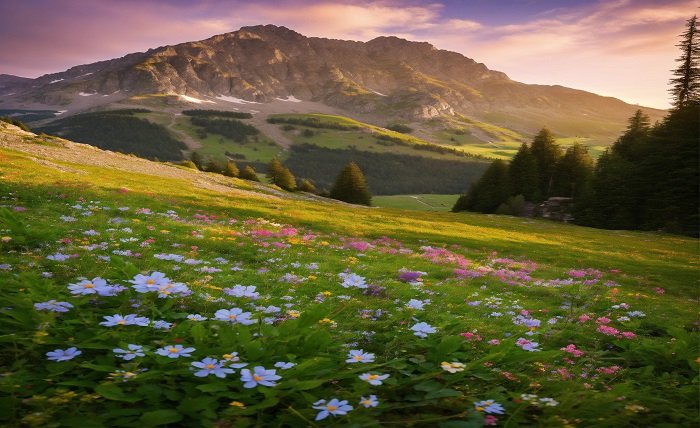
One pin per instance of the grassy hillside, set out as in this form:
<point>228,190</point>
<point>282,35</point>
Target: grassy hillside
<point>426,202</point>
<point>559,325</point>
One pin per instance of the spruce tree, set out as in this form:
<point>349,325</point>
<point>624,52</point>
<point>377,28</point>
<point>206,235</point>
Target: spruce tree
<point>523,174</point>
<point>351,186</point>
<point>685,86</point>
<point>307,186</point>
<point>573,173</point>
<point>231,169</point>
<point>629,143</point>
<point>281,176</point>
<point>546,153</point>
<point>248,173</point>
<point>489,192</point>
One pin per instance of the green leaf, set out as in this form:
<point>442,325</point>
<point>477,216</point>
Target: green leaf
<point>428,386</point>
<point>111,391</point>
<point>443,393</point>
<point>199,333</point>
<point>212,387</point>
<point>160,417</point>
<point>448,345</point>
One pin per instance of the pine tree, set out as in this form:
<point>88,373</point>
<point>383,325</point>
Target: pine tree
<point>231,169</point>
<point>573,172</point>
<point>489,192</point>
<point>351,186</point>
<point>523,174</point>
<point>248,173</point>
<point>629,143</point>
<point>546,153</point>
<point>281,176</point>
<point>307,186</point>
<point>685,86</point>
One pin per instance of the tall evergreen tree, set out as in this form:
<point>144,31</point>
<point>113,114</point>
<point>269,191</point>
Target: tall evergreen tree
<point>685,86</point>
<point>628,145</point>
<point>489,192</point>
<point>572,175</point>
<point>523,174</point>
<point>546,153</point>
<point>248,173</point>
<point>351,186</point>
<point>307,186</point>
<point>281,176</point>
<point>231,169</point>
<point>614,203</point>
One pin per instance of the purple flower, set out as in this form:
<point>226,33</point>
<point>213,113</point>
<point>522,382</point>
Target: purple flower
<point>373,379</point>
<point>211,366</point>
<point>259,376</point>
<point>359,356</point>
<point>423,329</point>
<point>334,407</point>
<point>53,306</point>
<point>130,353</point>
<point>284,365</point>
<point>131,319</point>
<point>410,276</point>
<point>146,283</point>
<point>97,286</point>
<point>175,351</point>
<point>369,402</point>
<point>234,316</point>
<point>63,355</point>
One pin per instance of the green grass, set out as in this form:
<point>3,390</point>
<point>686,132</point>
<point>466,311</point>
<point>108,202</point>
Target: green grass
<point>426,202</point>
<point>266,236</point>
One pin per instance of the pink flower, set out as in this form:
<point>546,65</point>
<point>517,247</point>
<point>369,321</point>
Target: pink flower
<point>610,331</point>
<point>628,335</point>
<point>603,320</point>
<point>571,349</point>
<point>494,342</point>
<point>490,420</point>
<point>583,318</point>
<point>659,290</point>
<point>471,337</point>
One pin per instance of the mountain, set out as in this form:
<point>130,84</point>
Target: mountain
<point>385,79</point>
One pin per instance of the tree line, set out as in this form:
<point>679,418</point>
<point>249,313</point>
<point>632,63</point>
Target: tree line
<point>647,180</point>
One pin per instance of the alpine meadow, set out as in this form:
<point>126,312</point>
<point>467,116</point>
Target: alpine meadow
<point>269,229</point>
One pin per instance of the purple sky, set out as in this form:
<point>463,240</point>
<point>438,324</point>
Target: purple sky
<point>621,48</point>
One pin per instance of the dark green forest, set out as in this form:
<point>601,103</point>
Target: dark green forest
<point>386,173</point>
<point>119,131</point>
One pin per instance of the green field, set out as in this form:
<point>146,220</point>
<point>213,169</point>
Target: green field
<point>415,318</point>
<point>424,202</point>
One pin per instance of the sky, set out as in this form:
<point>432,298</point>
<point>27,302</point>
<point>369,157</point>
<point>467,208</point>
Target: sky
<point>620,48</point>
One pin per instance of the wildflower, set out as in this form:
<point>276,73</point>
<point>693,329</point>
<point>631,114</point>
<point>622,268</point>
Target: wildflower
<point>97,286</point>
<point>196,317</point>
<point>63,355</point>
<point>146,283</point>
<point>259,376</point>
<point>243,291</point>
<point>452,367</point>
<point>232,360</point>
<point>237,404</point>
<point>549,402</point>
<point>423,329</point>
<point>175,351</point>
<point>352,280</point>
<point>527,345</point>
<point>373,379</point>
<point>359,356</point>
<point>334,407</point>
<point>284,365</point>
<point>165,290</point>
<point>130,353</point>
<point>162,325</point>
<point>131,319</point>
<point>571,349</point>
<point>210,366</point>
<point>234,316</point>
<point>125,376</point>
<point>490,420</point>
<point>411,277</point>
<point>369,402</point>
<point>58,257</point>
<point>489,406</point>
<point>415,304</point>
<point>53,306</point>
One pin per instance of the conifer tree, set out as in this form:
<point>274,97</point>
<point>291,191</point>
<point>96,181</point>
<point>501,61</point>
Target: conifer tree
<point>231,169</point>
<point>281,176</point>
<point>307,186</point>
<point>248,173</point>
<point>685,86</point>
<point>198,160</point>
<point>573,172</point>
<point>546,153</point>
<point>489,192</point>
<point>629,143</point>
<point>523,174</point>
<point>351,186</point>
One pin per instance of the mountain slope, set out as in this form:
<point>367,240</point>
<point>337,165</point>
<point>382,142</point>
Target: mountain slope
<point>383,79</point>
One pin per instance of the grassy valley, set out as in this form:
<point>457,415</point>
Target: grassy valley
<point>412,318</point>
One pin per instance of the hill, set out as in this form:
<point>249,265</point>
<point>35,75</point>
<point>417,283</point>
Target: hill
<point>433,319</point>
<point>446,97</point>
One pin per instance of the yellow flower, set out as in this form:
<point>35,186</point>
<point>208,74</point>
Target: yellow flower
<point>311,277</point>
<point>164,231</point>
<point>237,404</point>
<point>294,314</point>
<point>6,239</point>
<point>328,293</point>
